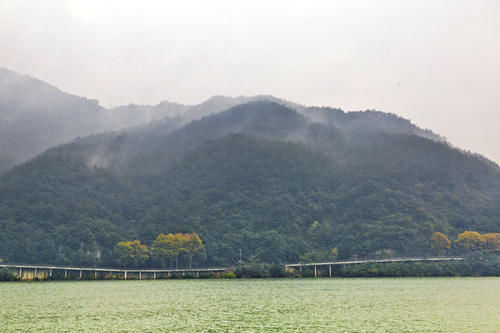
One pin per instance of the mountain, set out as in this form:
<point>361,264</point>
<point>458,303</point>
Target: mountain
<point>282,183</point>
<point>35,116</point>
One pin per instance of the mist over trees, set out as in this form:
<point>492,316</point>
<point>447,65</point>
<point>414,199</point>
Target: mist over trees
<point>280,181</point>
<point>35,116</point>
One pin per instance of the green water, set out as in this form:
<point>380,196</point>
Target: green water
<point>300,305</point>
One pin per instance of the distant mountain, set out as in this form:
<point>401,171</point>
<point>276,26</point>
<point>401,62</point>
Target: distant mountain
<point>281,183</point>
<point>35,116</point>
<point>219,103</point>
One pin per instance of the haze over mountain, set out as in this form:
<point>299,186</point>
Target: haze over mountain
<point>280,183</point>
<point>35,116</point>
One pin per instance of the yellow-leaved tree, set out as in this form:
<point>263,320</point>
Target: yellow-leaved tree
<point>440,243</point>
<point>164,248</point>
<point>168,247</point>
<point>334,253</point>
<point>492,241</point>
<point>179,243</point>
<point>192,244</point>
<point>470,241</point>
<point>130,253</point>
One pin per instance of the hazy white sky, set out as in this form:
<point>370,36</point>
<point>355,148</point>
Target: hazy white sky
<point>434,62</point>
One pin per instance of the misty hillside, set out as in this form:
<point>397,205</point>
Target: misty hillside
<point>150,149</point>
<point>35,116</point>
<point>280,183</point>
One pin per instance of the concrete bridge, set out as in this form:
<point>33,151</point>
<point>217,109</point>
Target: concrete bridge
<point>30,272</point>
<point>355,262</point>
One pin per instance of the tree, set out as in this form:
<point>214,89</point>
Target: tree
<point>192,244</point>
<point>131,253</point>
<point>470,241</point>
<point>140,253</point>
<point>123,252</point>
<point>440,243</point>
<point>334,253</point>
<point>164,248</point>
<point>178,243</point>
<point>172,245</point>
<point>492,241</point>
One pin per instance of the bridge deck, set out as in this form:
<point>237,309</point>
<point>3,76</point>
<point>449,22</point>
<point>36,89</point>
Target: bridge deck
<point>95,269</point>
<point>36,271</point>
<point>368,261</point>
<point>353,262</point>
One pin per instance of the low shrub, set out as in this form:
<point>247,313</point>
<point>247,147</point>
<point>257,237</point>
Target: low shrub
<point>6,275</point>
<point>229,275</point>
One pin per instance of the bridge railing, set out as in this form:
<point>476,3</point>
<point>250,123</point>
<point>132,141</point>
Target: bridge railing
<point>329,264</point>
<point>91,268</point>
<point>26,271</point>
<point>365,261</point>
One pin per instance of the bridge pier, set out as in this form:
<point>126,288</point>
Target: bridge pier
<point>140,275</point>
<point>20,273</point>
<point>154,275</point>
<point>65,273</point>
<point>81,274</point>
<point>330,270</point>
<point>125,275</point>
<point>315,271</point>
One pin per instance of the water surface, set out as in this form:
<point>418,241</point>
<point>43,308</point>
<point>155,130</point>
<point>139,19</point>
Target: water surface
<point>301,305</point>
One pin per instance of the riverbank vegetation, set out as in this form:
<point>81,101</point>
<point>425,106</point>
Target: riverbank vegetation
<point>6,275</point>
<point>165,248</point>
<point>477,263</point>
<point>169,248</point>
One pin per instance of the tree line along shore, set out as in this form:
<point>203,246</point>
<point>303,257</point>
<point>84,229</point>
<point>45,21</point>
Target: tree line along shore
<point>480,252</point>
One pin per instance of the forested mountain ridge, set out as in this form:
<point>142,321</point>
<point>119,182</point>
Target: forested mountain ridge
<point>278,183</point>
<point>35,116</point>
<point>320,128</point>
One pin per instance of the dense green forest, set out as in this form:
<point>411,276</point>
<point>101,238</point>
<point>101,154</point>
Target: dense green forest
<point>279,184</point>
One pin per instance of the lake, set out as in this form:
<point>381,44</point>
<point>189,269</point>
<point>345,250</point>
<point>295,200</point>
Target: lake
<point>301,305</point>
